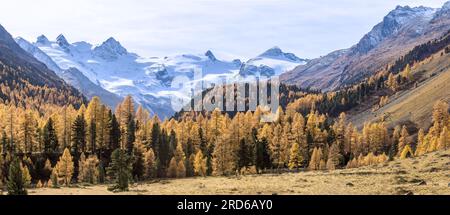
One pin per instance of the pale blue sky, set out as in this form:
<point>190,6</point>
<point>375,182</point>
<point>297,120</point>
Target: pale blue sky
<point>230,28</point>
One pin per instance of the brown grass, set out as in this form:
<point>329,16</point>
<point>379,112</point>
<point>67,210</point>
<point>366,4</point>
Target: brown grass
<point>428,174</point>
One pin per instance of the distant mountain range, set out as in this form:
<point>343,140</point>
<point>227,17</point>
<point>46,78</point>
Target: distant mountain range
<point>400,31</point>
<point>111,72</point>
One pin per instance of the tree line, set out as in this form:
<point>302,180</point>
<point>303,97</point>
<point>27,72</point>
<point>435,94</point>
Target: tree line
<point>95,145</point>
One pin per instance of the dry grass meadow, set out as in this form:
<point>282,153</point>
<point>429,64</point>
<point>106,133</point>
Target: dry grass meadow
<point>428,174</point>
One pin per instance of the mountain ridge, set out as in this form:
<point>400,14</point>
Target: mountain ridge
<point>398,32</point>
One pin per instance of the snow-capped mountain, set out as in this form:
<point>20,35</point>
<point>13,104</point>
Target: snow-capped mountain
<point>71,75</point>
<point>272,62</point>
<point>111,67</point>
<point>392,23</point>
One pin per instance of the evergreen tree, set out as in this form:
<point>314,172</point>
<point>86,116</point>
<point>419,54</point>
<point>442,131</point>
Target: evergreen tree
<point>101,173</point>
<point>181,169</point>
<point>295,157</point>
<point>65,167</point>
<point>138,162</point>
<point>422,145</point>
<point>78,142</point>
<point>402,141</point>
<point>316,159</point>
<point>334,157</point>
<point>119,170</point>
<point>49,137</point>
<point>15,184</point>
<point>262,155</point>
<point>25,175</point>
<point>444,139</point>
<point>4,143</point>
<point>243,155</point>
<point>172,169</point>
<point>149,164</point>
<point>200,164</point>
<point>131,129</point>
<point>189,165</point>
<point>89,172</point>
<point>114,133</point>
<point>92,136</point>
<point>406,152</point>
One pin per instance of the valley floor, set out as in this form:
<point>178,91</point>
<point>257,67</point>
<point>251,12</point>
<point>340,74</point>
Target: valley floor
<point>428,174</point>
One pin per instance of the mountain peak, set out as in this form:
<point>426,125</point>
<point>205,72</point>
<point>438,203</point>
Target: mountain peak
<point>272,52</point>
<point>392,23</point>
<point>112,41</point>
<point>62,41</point>
<point>110,49</point>
<point>210,55</point>
<point>276,53</point>
<point>42,39</point>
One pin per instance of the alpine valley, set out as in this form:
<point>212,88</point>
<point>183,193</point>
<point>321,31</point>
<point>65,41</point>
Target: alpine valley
<point>372,118</point>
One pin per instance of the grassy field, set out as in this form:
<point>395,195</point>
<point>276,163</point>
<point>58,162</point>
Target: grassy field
<point>428,174</point>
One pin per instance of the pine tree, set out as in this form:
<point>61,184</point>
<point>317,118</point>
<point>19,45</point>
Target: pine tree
<point>224,156</point>
<point>440,117</point>
<point>406,152</point>
<point>262,155</point>
<point>89,172</point>
<point>334,157</point>
<point>402,141</point>
<point>53,181</point>
<point>101,173</point>
<point>200,164</point>
<point>422,145</point>
<point>138,161</point>
<point>181,169</point>
<point>189,164</point>
<point>49,137</point>
<point>65,167</point>
<point>406,74</point>
<point>149,164</point>
<point>114,133</point>
<point>15,184</point>
<point>243,155</point>
<point>47,170</point>
<point>27,132</point>
<point>4,143</point>
<point>119,170</point>
<point>25,175</point>
<point>444,140</point>
<point>295,157</point>
<point>392,82</point>
<point>275,147</point>
<point>130,134</point>
<point>316,159</point>
<point>172,169</point>
<point>78,142</point>
<point>92,134</point>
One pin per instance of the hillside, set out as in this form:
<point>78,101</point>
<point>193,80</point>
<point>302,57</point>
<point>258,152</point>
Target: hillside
<point>415,103</point>
<point>27,82</point>
<point>423,175</point>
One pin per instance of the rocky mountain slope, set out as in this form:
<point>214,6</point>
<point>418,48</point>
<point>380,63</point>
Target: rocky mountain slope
<point>401,30</point>
<point>27,82</point>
